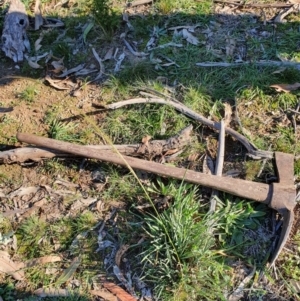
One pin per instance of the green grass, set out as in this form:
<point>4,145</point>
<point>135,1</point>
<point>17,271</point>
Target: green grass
<point>179,255</point>
<point>62,131</point>
<point>186,253</point>
<point>29,94</point>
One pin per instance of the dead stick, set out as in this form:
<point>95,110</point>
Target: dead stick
<point>190,113</point>
<point>150,149</point>
<point>246,189</point>
<point>249,5</point>
<point>255,63</point>
<point>139,2</point>
<point>219,165</point>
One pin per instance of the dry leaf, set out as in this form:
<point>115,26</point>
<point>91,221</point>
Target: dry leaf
<point>52,22</point>
<point>104,294</point>
<point>54,83</point>
<point>119,62</point>
<point>73,70</point>
<point>189,37</point>
<point>51,292</point>
<point>121,251</point>
<point>10,267</point>
<point>285,87</point>
<point>126,20</point>
<point>227,113</point>
<point>168,64</point>
<point>109,54</point>
<point>101,65</point>
<point>85,71</point>
<point>69,272</point>
<point>118,291</point>
<point>37,44</point>
<point>42,260</point>
<point>23,191</point>
<point>280,70</point>
<point>83,203</point>
<point>208,165</point>
<point>187,27</point>
<point>58,65</point>
<point>33,64</point>
<point>87,29</point>
<point>146,139</point>
<point>230,46</point>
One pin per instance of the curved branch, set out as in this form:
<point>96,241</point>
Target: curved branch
<point>252,149</point>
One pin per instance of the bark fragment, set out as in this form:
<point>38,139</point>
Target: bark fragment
<point>14,38</point>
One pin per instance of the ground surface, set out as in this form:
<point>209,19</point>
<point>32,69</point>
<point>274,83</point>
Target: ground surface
<point>74,226</point>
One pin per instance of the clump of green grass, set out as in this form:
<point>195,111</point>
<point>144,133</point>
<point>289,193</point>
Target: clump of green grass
<point>179,257</point>
<point>30,233</point>
<point>28,94</point>
<point>62,131</point>
<point>105,15</point>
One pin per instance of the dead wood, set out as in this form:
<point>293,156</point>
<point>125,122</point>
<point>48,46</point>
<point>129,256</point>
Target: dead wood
<point>254,152</point>
<point>219,165</point>
<point>256,5</point>
<point>6,110</point>
<point>266,63</point>
<point>242,188</point>
<point>139,2</point>
<point>14,37</point>
<point>148,149</point>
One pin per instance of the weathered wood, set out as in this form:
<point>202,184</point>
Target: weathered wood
<point>14,37</point>
<point>149,149</point>
<point>246,189</point>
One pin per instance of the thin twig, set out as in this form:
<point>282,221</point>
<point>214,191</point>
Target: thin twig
<point>139,2</point>
<point>280,17</point>
<point>253,151</point>
<point>253,5</point>
<point>219,164</point>
<point>258,63</point>
<point>101,65</point>
<point>293,111</point>
<point>136,53</point>
<point>239,291</point>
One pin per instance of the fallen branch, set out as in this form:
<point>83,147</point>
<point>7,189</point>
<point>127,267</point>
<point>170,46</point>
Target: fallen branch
<point>253,151</point>
<point>258,63</point>
<point>253,5</point>
<point>242,188</point>
<point>149,149</point>
<point>6,110</point>
<point>139,2</point>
